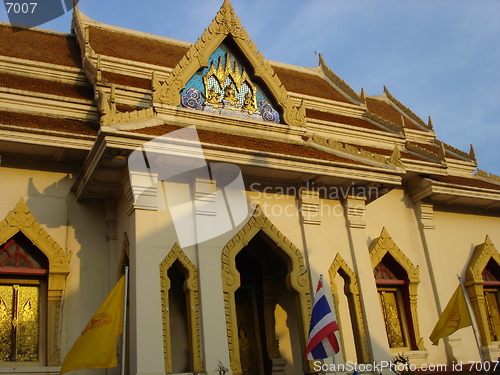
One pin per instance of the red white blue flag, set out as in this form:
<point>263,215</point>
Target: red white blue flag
<point>322,341</point>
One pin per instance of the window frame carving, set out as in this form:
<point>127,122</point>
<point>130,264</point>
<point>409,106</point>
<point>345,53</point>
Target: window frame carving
<point>340,266</point>
<point>193,310</point>
<point>474,284</point>
<point>378,249</point>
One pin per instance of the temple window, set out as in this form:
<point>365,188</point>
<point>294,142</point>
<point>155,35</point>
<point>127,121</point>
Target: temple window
<point>392,287</point>
<point>491,289</point>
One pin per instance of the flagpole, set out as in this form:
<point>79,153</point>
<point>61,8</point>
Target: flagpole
<point>481,355</point>
<point>124,330</point>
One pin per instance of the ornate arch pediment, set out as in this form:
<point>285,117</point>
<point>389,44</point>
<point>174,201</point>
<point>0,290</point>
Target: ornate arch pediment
<point>298,278</point>
<point>192,294</point>
<point>20,219</point>
<point>378,249</point>
<point>227,25</point>
<point>480,258</point>
<point>385,244</point>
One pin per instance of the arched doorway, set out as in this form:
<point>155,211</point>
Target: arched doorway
<point>267,299</point>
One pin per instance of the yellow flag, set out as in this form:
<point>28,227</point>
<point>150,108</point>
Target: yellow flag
<point>96,347</point>
<point>454,317</point>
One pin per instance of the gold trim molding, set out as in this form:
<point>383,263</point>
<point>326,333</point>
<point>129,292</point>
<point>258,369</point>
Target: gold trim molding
<point>342,268</point>
<point>20,219</point>
<point>227,24</point>
<point>385,244</point>
<point>474,284</point>
<point>298,278</point>
<point>191,287</point>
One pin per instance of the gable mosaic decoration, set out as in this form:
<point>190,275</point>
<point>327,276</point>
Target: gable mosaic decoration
<point>225,88</point>
<point>227,25</point>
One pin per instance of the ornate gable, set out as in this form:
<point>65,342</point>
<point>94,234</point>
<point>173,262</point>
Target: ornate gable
<point>224,73</point>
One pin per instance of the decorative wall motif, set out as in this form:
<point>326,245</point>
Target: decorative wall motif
<point>298,278</point>
<point>385,244</point>
<point>474,281</point>
<point>227,25</point>
<point>358,326</point>
<point>192,294</point>
<point>20,219</point>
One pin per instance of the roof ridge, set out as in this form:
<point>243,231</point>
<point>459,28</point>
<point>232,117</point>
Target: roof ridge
<point>89,22</point>
<point>38,29</point>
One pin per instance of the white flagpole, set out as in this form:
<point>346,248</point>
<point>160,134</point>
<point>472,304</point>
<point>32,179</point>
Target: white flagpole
<point>471,319</point>
<point>124,334</point>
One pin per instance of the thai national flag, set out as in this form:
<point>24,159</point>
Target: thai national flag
<point>322,341</point>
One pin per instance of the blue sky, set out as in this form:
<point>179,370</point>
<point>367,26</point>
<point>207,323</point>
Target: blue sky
<point>439,58</point>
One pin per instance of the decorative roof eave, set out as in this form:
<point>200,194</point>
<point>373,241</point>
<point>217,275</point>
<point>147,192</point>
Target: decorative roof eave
<point>225,24</point>
<point>381,121</point>
<point>356,153</point>
<point>408,112</point>
<point>112,138</point>
<point>423,152</point>
<point>339,83</point>
<point>470,156</point>
<point>490,177</point>
<point>447,193</point>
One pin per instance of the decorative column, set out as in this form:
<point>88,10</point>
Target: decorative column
<point>354,210</point>
<point>146,339</point>
<point>315,252</point>
<point>208,212</point>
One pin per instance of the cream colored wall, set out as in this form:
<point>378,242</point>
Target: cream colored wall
<point>78,227</point>
<point>458,233</point>
<point>152,235</point>
<point>396,212</point>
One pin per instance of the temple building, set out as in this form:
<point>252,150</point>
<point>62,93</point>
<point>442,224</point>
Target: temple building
<point>228,184</point>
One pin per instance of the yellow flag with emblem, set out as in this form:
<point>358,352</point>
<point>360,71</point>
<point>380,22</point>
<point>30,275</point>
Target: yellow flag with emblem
<point>96,346</point>
<point>454,317</point>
